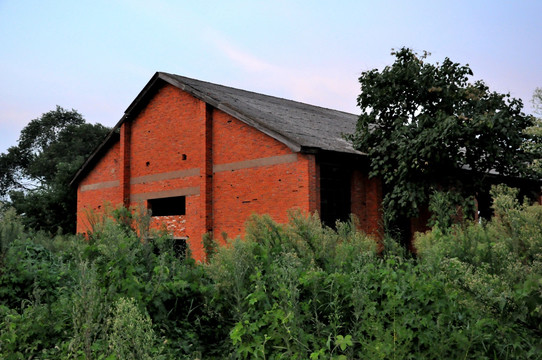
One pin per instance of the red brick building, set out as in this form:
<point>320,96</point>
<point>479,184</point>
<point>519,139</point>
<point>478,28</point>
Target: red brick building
<point>204,157</point>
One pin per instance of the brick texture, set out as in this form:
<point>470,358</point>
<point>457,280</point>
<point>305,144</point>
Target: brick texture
<point>104,189</point>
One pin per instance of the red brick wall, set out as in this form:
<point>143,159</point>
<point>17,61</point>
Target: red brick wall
<point>366,202</point>
<point>168,127</point>
<point>167,159</point>
<point>98,188</point>
<point>254,173</point>
<point>373,191</point>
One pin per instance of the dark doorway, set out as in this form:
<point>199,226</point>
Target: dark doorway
<point>335,197</point>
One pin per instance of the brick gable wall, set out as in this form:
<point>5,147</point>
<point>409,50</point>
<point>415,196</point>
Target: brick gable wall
<point>179,146</point>
<point>99,189</point>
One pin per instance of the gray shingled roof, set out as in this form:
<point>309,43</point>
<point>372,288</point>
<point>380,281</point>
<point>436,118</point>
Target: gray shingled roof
<point>298,125</point>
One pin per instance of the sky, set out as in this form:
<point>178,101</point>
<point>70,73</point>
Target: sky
<point>96,56</point>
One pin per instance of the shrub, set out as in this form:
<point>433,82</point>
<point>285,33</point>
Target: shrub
<point>299,290</point>
<point>498,266</point>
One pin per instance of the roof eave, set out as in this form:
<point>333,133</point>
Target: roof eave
<point>94,156</point>
<point>134,105</point>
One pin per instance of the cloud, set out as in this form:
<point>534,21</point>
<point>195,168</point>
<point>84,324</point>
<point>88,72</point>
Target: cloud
<point>328,87</point>
<point>245,60</point>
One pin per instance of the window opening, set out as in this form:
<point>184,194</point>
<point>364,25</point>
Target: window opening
<point>169,206</point>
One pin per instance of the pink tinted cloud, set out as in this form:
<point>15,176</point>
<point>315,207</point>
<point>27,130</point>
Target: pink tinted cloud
<point>335,88</point>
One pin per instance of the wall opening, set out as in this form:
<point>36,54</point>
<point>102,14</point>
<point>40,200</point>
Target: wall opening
<point>179,247</point>
<point>164,244</point>
<point>169,206</point>
<point>335,194</point>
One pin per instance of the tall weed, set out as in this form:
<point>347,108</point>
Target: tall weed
<point>131,335</point>
<point>90,307</point>
<point>11,228</point>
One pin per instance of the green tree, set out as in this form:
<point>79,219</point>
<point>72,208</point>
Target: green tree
<point>423,124</point>
<point>535,145</point>
<point>537,101</point>
<point>35,174</point>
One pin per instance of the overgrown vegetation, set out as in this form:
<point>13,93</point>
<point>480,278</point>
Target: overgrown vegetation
<point>293,291</point>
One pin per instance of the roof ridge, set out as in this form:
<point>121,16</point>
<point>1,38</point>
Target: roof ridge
<point>256,93</point>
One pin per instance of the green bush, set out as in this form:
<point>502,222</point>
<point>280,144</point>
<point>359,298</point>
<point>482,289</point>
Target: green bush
<point>497,265</point>
<point>298,290</point>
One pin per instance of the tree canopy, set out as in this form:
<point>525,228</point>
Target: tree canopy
<point>535,145</point>
<point>421,124</point>
<point>35,174</point>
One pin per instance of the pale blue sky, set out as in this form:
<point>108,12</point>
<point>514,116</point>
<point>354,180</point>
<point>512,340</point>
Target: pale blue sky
<point>95,56</point>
